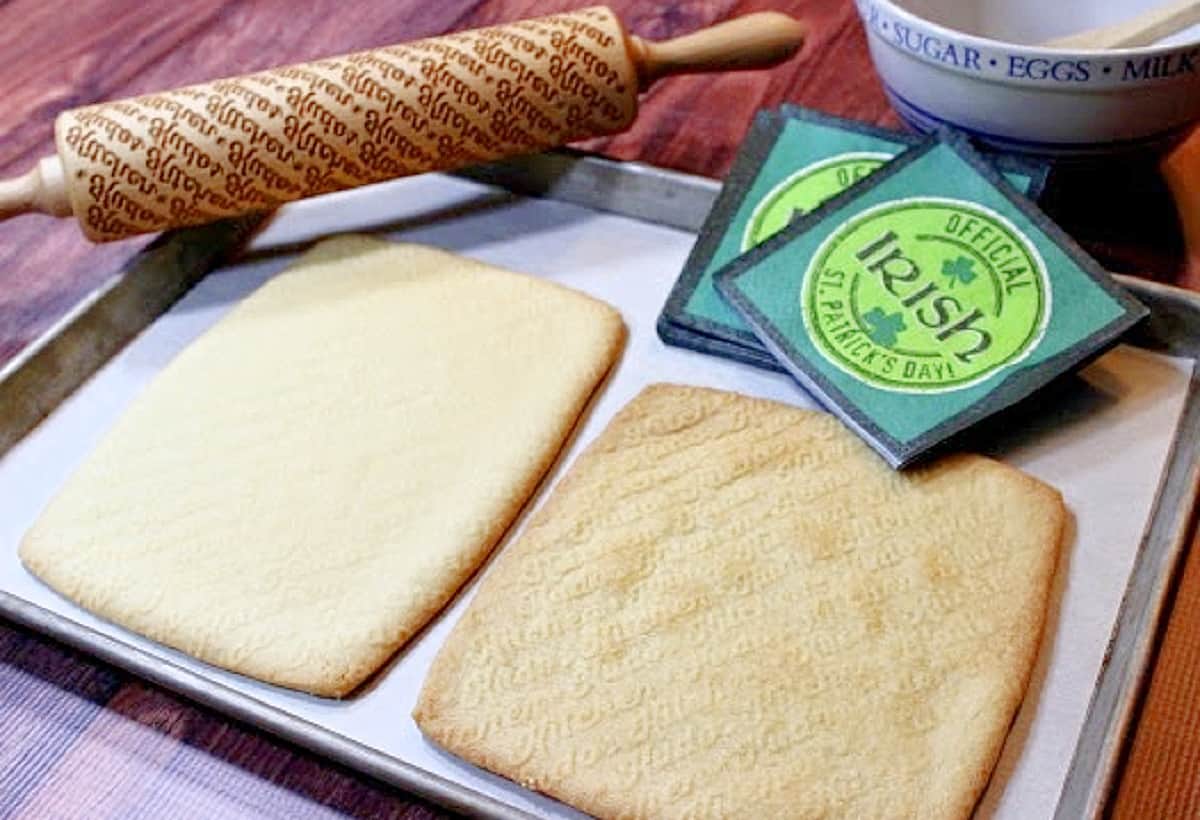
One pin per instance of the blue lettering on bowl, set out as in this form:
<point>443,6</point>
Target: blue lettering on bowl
<point>1040,68</point>
<point>1159,66</point>
<point>1023,66</point>
<point>934,48</point>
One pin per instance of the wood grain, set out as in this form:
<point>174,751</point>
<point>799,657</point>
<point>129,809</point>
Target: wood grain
<point>79,739</point>
<point>687,123</point>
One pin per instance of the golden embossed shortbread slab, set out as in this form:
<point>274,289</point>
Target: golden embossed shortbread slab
<point>732,607</point>
<point>307,484</point>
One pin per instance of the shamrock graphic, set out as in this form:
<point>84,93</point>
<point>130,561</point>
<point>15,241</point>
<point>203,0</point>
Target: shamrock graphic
<point>961,269</point>
<point>884,327</point>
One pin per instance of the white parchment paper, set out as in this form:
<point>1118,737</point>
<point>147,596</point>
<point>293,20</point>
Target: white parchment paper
<point>1103,443</point>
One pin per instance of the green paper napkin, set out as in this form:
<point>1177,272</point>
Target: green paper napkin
<point>926,298</point>
<point>790,162</point>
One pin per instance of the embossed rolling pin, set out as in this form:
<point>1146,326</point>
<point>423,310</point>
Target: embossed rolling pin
<point>244,144</point>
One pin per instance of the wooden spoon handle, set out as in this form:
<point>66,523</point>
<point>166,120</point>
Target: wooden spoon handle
<point>758,40</point>
<point>1142,30</point>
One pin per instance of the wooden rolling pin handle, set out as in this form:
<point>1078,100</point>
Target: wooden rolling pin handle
<point>758,40</point>
<point>42,188</point>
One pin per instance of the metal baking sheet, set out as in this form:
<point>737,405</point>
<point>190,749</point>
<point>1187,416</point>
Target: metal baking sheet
<point>1121,443</point>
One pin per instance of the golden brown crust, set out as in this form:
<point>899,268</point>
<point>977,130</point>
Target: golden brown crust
<point>729,604</point>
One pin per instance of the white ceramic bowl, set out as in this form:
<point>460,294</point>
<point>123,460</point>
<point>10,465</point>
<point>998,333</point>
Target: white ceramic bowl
<point>971,64</point>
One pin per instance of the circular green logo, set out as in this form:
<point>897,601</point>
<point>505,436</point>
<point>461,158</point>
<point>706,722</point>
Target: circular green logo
<point>926,295</point>
<point>805,190</point>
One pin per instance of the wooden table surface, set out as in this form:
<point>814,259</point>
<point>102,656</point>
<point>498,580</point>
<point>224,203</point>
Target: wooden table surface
<point>78,738</point>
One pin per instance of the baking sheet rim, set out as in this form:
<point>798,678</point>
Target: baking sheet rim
<point>658,196</point>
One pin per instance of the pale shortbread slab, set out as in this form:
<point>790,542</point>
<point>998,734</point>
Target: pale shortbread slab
<point>308,483</point>
<point>733,607</point>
